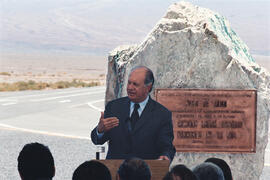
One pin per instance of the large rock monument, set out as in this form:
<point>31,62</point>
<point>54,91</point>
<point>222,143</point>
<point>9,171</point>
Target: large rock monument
<point>194,47</point>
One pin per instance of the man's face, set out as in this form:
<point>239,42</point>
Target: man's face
<point>136,89</point>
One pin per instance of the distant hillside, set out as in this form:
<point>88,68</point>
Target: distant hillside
<point>98,26</point>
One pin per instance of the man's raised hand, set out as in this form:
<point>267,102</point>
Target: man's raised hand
<point>106,124</point>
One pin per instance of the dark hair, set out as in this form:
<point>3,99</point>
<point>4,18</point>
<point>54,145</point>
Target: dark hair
<point>208,171</point>
<point>223,166</point>
<point>35,161</point>
<point>93,170</point>
<point>149,76</point>
<point>134,169</point>
<point>181,171</point>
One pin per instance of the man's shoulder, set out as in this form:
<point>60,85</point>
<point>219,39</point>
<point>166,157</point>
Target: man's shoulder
<point>118,100</point>
<point>159,106</point>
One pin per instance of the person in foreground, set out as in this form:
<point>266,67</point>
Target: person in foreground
<point>208,171</point>
<point>136,125</point>
<point>92,170</point>
<point>35,162</point>
<point>134,169</point>
<point>223,166</point>
<point>180,172</point>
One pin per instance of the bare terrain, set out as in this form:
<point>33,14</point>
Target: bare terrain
<point>49,41</point>
<point>52,68</point>
<point>98,26</point>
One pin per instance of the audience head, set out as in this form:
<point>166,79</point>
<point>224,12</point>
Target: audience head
<point>208,171</point>
<point>180,172</point>
<point>92,170</point>
<point>223,166</point>
<point>35,161</point>
<point>134,169</point>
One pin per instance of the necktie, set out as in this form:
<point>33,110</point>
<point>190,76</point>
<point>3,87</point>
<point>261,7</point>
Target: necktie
<point>134,116</point>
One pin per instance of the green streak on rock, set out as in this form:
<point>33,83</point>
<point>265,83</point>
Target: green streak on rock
<point>237,45</point>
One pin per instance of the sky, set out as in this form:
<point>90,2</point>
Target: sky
<point>98,26</point>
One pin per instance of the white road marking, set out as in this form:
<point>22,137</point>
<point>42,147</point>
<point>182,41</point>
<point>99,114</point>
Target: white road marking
<point>95,107</point>
<point>8,99</point>
<point>61,92</point>
<point>8,104</point>
<point>59,134</point>
<point>43,132</point>
<point>72,95</point>
<point>65,101</point>
<point>69,136</point>
<point>78,105</point>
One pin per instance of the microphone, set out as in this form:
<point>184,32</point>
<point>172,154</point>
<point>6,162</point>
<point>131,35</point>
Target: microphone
<point>100,152</point>
<point>97,156</point>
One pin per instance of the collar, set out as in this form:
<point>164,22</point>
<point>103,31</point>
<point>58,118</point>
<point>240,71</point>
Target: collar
<point>142,105</point>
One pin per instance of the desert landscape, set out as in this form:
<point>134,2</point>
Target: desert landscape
<point>53,41</point>
<point>52,68</point>
<point>263,61</point>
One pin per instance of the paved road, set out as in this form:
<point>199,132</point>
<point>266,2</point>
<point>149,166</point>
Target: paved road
<point>68,111</point>
<point>61,119</point>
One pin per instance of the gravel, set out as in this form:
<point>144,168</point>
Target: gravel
<point>68,153</point>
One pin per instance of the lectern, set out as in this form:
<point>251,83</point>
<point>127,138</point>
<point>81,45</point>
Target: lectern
<point>158,167</point>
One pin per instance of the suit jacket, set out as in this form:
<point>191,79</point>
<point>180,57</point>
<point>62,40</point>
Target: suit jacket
<point>151,137</point>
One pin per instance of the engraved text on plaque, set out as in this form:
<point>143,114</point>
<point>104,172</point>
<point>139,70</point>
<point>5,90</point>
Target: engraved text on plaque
<point>212,120</point>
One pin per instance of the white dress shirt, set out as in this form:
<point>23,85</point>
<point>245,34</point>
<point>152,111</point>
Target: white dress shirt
<point>140,110</point>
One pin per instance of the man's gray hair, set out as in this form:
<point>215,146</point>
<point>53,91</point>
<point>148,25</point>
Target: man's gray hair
<point>149,77</point>
<point>208,171</point>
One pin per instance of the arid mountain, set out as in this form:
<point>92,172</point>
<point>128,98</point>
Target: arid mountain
<point>98,26</point>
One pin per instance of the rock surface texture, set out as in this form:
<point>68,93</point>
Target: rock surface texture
<point>193,47</point>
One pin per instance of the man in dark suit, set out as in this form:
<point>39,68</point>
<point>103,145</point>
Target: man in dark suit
<point>136,125</point>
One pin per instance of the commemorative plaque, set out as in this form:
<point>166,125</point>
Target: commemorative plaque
<point>211,120</point>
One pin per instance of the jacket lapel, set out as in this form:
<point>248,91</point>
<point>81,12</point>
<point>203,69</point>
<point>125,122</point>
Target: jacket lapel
<point>125,116</point>
<point>145,116</point>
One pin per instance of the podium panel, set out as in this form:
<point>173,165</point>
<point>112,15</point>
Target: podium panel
<point>158,167</point>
